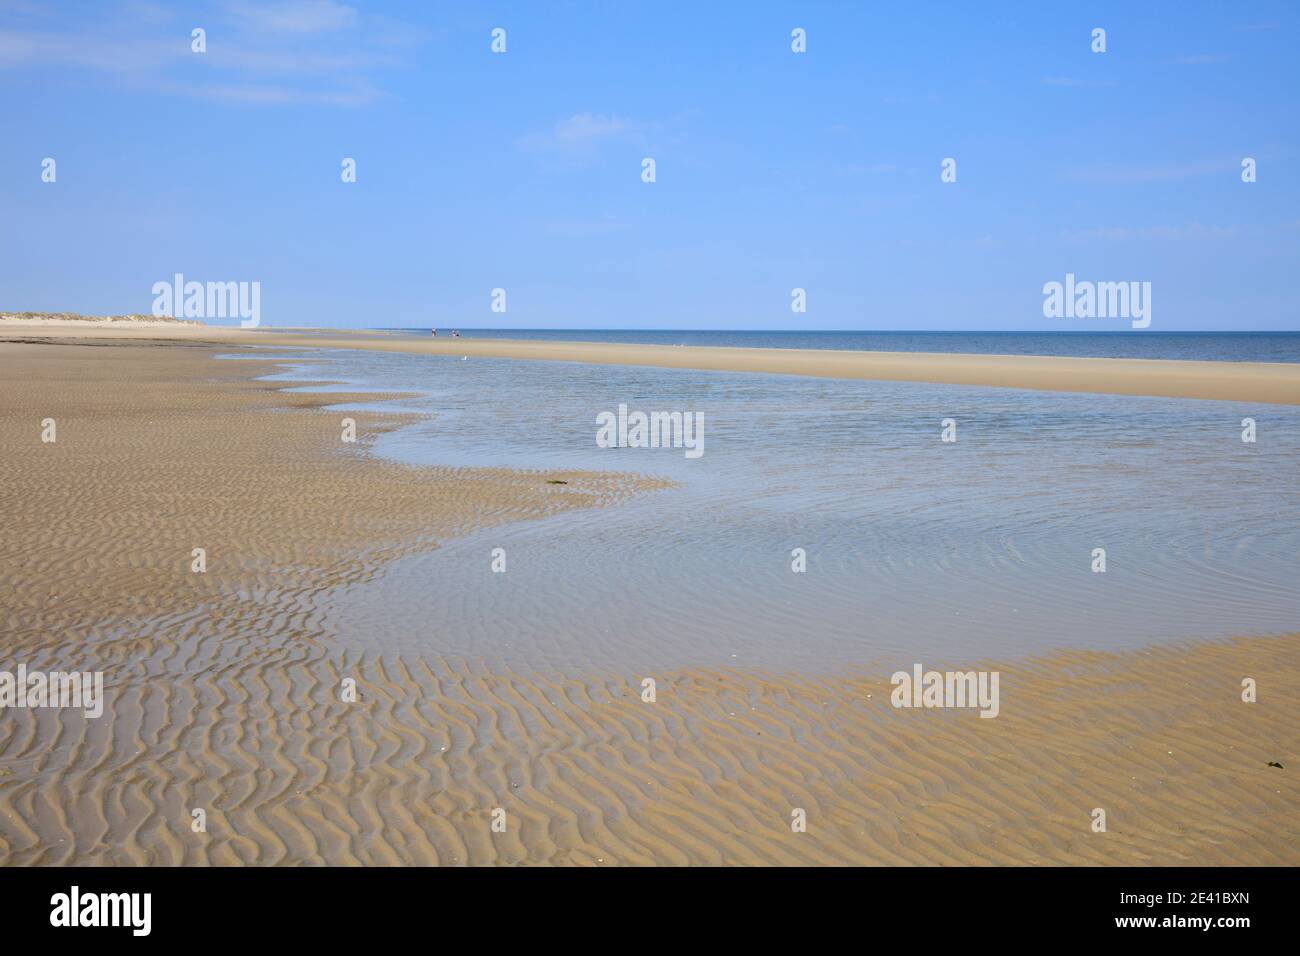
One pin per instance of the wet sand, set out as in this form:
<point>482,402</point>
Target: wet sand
<point>224,688</point>
<point>1270,383</point>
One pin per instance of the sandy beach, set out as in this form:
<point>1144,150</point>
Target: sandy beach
<point>1271,383</point>
<point>224,687</point>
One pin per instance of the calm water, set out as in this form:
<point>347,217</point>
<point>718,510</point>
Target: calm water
<point>916,549</point>
<point>1203,346</point>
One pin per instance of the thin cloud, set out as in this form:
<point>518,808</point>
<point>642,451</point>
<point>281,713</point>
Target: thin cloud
<point>296,51</point>
<point>295,16</point>
<point>295,61</point>
<point>86,51</point>
<point>278,95</point>
<point>581,135</point>
<point>589,128</point>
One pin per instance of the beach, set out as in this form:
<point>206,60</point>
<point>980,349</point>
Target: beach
<point>240,690</point>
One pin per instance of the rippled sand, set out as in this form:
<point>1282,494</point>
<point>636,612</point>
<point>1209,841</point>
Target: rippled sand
<point>224,688</point>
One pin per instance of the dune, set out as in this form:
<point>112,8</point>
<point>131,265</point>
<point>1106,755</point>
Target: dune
<point>76,320</point>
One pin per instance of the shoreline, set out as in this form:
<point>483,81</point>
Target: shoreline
<point>1268,383</point>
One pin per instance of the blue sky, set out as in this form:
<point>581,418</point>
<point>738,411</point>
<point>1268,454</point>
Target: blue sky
<point>775,170</point>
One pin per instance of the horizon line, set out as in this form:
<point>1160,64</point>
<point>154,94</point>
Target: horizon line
<point>1132,332</point>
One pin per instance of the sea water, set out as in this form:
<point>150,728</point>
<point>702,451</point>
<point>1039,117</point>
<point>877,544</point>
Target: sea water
<point>914,548</point>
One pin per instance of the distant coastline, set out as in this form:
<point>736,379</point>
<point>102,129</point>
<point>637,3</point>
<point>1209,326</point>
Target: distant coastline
<point>1190,345</point>
<point>1272,382</point>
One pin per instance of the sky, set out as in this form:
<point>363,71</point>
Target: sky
<point>774,170</point>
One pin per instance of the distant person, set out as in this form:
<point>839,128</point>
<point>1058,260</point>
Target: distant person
<point>455,333</point>
<point>435,333</point>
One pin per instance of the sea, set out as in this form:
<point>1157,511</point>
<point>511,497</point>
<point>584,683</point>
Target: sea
<point>828,526</point>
